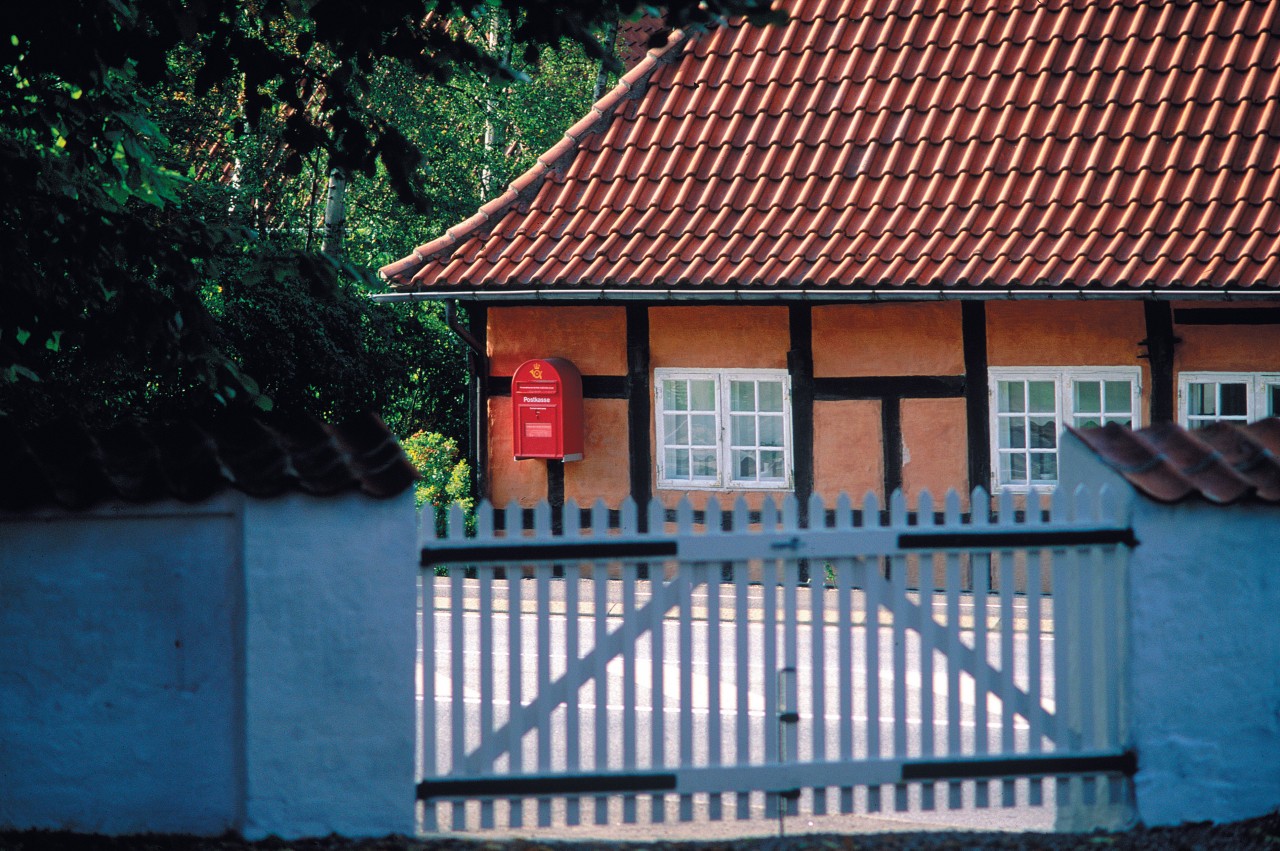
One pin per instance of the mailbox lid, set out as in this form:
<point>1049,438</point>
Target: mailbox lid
<point>546,408</point>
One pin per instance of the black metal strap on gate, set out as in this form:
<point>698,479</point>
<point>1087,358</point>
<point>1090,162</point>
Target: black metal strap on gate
<point>1125,763</point>
<point>568,549</point>
<point>559,550</point>
<point>549,784</point>
<point>1021,539</point>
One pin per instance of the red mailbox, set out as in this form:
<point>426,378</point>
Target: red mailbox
<point>546,410</point>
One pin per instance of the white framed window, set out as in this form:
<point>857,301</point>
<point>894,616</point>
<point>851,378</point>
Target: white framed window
<point>1030,406</point>
<point>723,428</point>
<point>1213,397</point>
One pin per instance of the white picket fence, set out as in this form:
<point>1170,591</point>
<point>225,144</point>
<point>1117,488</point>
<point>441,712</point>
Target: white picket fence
<point>747,665</point>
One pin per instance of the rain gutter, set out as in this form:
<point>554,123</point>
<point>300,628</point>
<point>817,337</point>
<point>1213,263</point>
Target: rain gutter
<point>814,295</point>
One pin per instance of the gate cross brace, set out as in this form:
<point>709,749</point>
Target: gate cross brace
<point>969,661</point>
<point>541,707</point>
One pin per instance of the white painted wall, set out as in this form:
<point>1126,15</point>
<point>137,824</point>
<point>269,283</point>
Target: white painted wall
<point>1204,653</point>
<point>241,664</point>
<point>118,682</point>
<point>330,649</point>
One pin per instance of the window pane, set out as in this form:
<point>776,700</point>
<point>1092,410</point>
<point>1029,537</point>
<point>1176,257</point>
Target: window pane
<point>771,396</point>
<point>771,431</point>
<point>1119,396</point>
<point>1088,396</point>
<point>1013,468</point>
<point>1013,433</point>
<point>722,428</point>
<point>1044,467</point>
<point>1087,422</point>
<point>1235,400</point>
<point>1273,400</point>
<point>771,466</point>
<point>1010,397</point>
<point>704,429</point>
<point>675,395</point>
<point>1200,399</point>
<point>1040,397</point>
<point>1044,433</point>
<point>704,463</point>
<point>703,393</point>
<point>675,429</point>
<point>742,395</point>
<point>677,464</point>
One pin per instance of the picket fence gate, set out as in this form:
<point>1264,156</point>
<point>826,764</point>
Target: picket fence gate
<point>717,664</point>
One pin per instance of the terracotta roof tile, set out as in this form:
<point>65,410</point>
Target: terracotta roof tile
<point>1222,463</point>
<point>70,467</point>
<point>633,39</point>
<point>904,144</point>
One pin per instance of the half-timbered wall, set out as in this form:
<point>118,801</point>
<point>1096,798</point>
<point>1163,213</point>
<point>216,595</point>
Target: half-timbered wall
<point>883,395</point>
<point>889,382</point>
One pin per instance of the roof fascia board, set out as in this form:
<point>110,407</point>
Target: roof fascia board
<point>816,296</point>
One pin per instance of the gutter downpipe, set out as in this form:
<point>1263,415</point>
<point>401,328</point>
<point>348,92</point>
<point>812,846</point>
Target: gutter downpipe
<point>477,368</point>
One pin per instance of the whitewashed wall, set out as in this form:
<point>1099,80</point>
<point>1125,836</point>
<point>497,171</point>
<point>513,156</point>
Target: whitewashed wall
<point>241,664</point>
<point>1204,652</point>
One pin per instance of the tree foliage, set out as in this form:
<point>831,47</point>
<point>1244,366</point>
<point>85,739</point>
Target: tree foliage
<point>159,168</point>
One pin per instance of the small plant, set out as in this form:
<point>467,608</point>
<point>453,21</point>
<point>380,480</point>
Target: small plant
<point>446,476</point>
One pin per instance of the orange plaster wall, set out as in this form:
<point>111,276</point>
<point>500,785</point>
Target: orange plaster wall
<point>716,336</point>
<point>1227,348</point>
<point>935,450</point>
<point>593,338</point>
<point>698,499</point>
<point>604,471</point>
<point>887,339</point>
<point>846,450</point>
<point>1065,333</point>
<point>719,336</point>
<point>510,479</point>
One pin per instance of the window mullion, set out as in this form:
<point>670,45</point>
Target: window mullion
<point>722,432</point>
<point>1066,405</point>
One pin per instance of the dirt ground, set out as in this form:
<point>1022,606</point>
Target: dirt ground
<point>1260,833</point>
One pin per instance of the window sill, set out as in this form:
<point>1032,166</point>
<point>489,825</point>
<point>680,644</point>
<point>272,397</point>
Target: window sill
<point>781,487</point>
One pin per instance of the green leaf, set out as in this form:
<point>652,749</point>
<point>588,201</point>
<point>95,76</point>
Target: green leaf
<point>16,371</point>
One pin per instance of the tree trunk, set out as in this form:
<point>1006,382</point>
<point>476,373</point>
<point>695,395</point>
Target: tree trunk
<point>335,213</point>
<point>495,130</point>
<point>610,40</point>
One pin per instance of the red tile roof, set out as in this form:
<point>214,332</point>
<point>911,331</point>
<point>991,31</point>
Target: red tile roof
<point>68,466</point>
<point>633,39</point>
<point>910,144</point>
<point>1222,463</point>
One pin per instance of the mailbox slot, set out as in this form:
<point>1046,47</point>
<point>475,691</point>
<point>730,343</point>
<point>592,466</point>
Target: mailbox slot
<point>546,410</point>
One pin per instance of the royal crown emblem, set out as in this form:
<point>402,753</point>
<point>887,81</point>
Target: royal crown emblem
<point>536,371</point>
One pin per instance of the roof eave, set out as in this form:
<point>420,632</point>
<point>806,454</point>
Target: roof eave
<point>814,294</point>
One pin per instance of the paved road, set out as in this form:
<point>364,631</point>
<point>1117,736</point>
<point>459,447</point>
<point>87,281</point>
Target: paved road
<point>707,727</point>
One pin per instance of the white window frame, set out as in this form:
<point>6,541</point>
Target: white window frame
<point>1064,402</point>
<point>1255,400</point>
<point>724,454</point>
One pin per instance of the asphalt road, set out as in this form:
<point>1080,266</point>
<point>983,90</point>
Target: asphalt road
<point>644,723</point>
